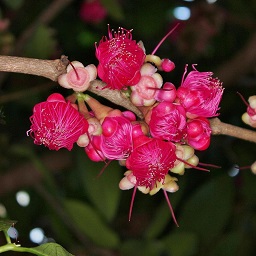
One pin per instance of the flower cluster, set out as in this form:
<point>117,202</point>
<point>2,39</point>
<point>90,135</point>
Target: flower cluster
<point>153,149</point>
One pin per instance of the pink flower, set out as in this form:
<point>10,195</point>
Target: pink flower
<point>116,137</point>
<point>144,91</point>
<point>78,77</point>
<point>92,11</point>
<point>168,122</point>
<point>120,59</point>
<point>198,133</point>
<point>200,94</point>
<point>151,160</point>
<point>56,124</point>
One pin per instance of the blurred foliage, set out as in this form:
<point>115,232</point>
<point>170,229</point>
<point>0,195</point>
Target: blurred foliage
<point>87,214</point>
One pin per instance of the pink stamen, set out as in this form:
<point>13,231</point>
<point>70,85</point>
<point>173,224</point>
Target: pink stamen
<point>243,99</point>
<point>164,38</point>
<point>210,165</point>
<point>77,76</point>
<point>132,202</point>
<point>191,165</point>
<point>104,168</point>
<point>170,207</point>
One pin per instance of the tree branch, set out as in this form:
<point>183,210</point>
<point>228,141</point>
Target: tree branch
<point>47,68</point>
<point>220,128</point>
<point>53,68</point>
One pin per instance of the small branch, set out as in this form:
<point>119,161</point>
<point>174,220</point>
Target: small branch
<point>114,96</point>
<point>51,69</point>
<point>220,128</point>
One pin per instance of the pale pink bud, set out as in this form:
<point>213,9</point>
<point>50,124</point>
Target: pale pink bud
<point>78,77</point>
<point>167,65</point>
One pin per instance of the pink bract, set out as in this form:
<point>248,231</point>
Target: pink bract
<point>200,94</point>
<point>168,122</point>
<point>120,59</point>
<point>56,124</point>
<point>150,161</point>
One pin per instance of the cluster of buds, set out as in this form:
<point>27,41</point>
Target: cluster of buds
<point>154,149</point>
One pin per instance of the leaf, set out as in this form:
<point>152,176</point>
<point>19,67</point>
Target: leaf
<point>6,224</point>
<point>42,44</point>
<point>102,191</point>
<point>114,9</point>
<point>181,243</point>
<point>207,211</point>
<point>50,249</point>
<point>89,222</point>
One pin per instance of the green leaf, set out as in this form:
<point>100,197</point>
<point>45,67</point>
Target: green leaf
<point>208,210</point>
<point>181,244</point>
<point>50,249</point>
<point>102,191</point>
<point>42,43</point>
<point>114,9</point>
<point>6,224</point>
<point>90,223</point>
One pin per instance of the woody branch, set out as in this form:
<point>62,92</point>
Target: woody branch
<point>52,69</point>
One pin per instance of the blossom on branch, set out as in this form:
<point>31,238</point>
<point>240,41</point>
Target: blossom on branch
<point>200,93</point>
<point>56,124</point>
<point>120,59</point>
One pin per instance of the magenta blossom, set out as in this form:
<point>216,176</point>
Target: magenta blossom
<point>56,124</point>
<point>200,93</point>
<point>168,122</point>
<point>120,59</point>
<point>198,133</point>
<point>151,160</point>
<point>117,138</point>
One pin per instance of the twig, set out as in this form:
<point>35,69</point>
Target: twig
<point>47,68</point>
<point>52,69</point>
<point>220,128</point>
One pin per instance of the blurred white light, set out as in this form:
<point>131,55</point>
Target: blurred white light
<point>211,1</point>
<point>3,211</point>
<point>233,171</point>
<point>23,198</point>
<point>13,233</point>
<point>36,235</point>
<point>181,13</point>
<point>188,0</point>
